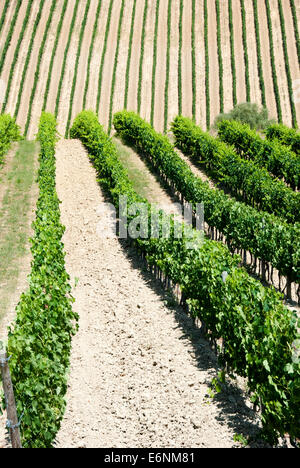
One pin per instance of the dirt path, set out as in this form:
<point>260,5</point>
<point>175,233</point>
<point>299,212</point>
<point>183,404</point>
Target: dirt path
<point>226,55</point>
<point>239,52</point>
<point>266,60</point>
<point>280,64</point>
<point>82,67</point>
<point>135,57</point>
<point>17,29</point>
<point>15,83</point>
<point>6,25</point>
<point>160,78</point>
<point>24,105</point>
<point>64,104</point>
<point>200,65</point>
<point>119,91</point>
<point>41,84</point>
<point>173,81</point>
<point>252,54</point>
<point>58,60</point>
<point>186,70</point>
<point>148,62</point>
<point>91,98</point>
<point>292,50</point>
<point>136,378</point>
<point>109,65</point>
<point>213,63</point>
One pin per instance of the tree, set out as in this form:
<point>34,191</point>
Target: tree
<point>249,113</point>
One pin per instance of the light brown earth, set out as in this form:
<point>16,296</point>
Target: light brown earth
<point>266,60</point>
<point>252,54</point>
<point>148,63</point>
<point>213,64</point>
<point>119,92</point>
<point>109,65</point>
<point>96,59</point>
<point>58,60</point>
<point>200,65</point>
<point>27,89</point>
<point>280,64</point>
<point>186,70</point>
<point>135,57</point>
<point>15,36</point>
<point>292,50</point>
<point>81,79</point>
<point>6,25</point>
<point>173,81</point>
<point>45,63</point>
<point>239,52</point>
<point>161,67</point>
<point>226,55</point>
<point>63,110</point>
<point>17,76</point>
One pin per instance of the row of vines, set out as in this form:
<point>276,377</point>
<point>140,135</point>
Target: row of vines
<point>267,237</point>
<point>257,331</point>
<point>104,21</point>
<point>39,341</point>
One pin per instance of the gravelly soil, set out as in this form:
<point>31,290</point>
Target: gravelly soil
<point>140,369</point>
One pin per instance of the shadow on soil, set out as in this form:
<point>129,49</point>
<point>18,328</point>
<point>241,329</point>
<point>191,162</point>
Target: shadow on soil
<point>231,400</point>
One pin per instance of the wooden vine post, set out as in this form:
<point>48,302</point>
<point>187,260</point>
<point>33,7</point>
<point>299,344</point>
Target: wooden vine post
<point>12,417</point>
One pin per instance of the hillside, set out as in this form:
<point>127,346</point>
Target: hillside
<point>148,55</point>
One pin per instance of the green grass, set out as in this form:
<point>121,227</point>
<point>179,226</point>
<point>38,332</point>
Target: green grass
<point>14,219</point>
<point>138,177</point>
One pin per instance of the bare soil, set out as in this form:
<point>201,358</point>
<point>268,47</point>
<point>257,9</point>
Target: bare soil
<point>148,63</point>
<point>213,64</point>
<point>292,50</point>
<point>200,65</point>
<point>239,53</point>
<point>173,81</point>
<point>266,60</point>
<point>252,54</point>
<point>226,56</point>
<point>160,78</point>
<point>280,64</point>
